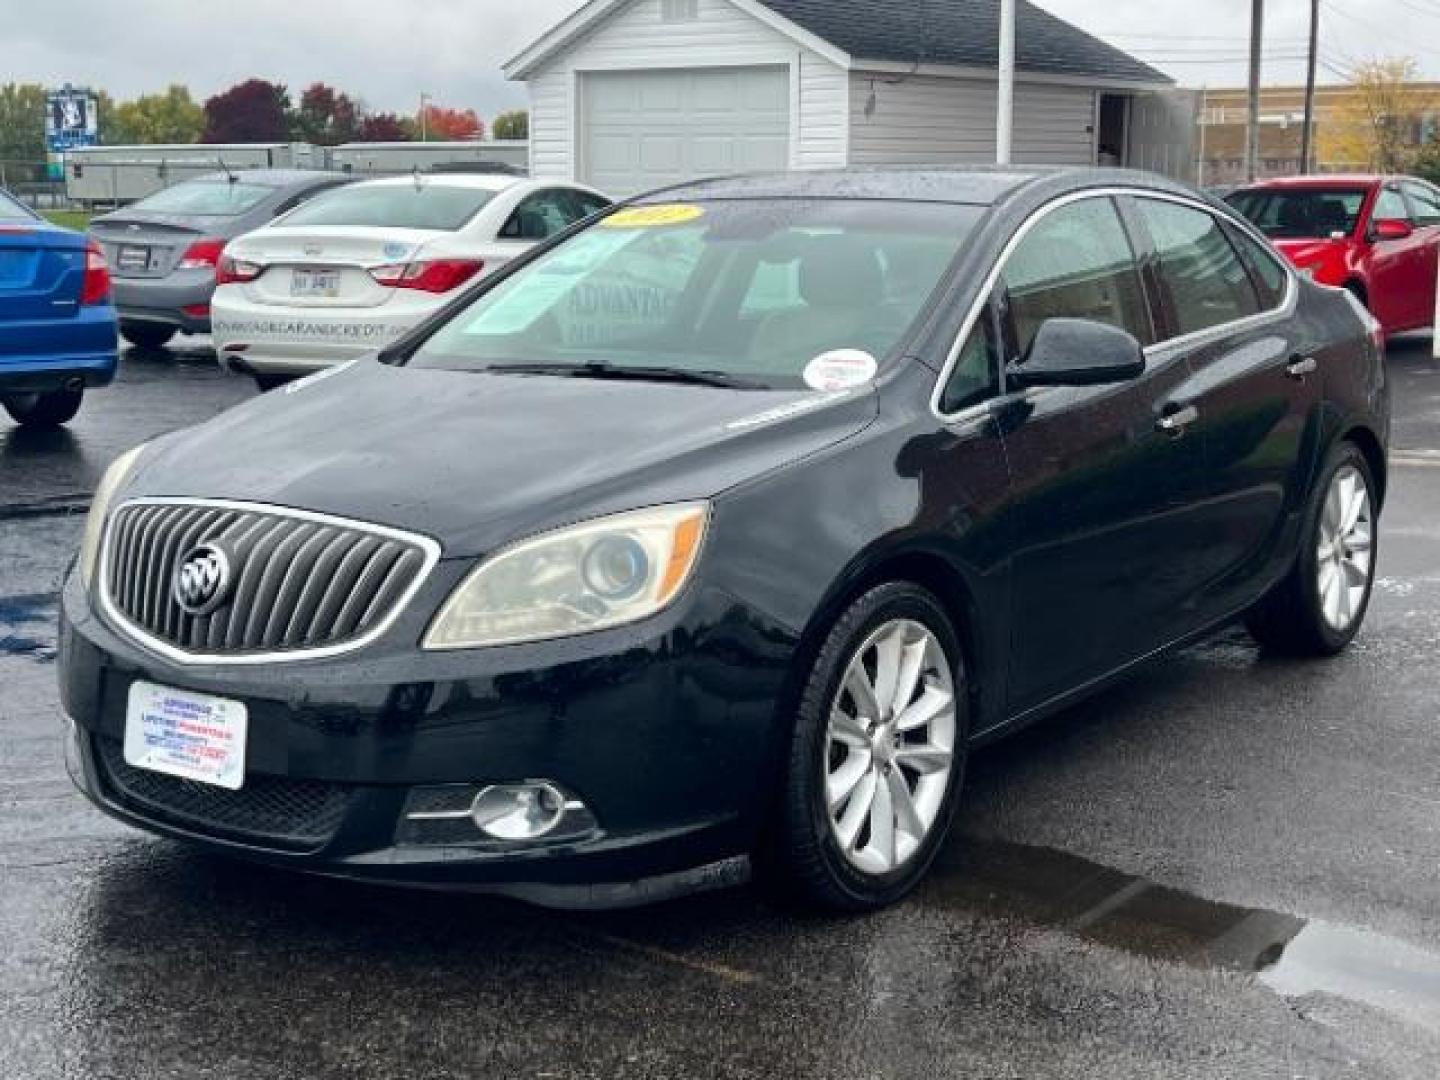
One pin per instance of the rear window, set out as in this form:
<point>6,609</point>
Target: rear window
<point>426,205</point>
<point>207,198</point>
<point>10,210</point>
<point>1309,214</point>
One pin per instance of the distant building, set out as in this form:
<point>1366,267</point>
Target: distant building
<point>1224,114</point>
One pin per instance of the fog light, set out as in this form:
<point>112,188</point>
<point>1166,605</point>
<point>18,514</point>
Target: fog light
<point>518,811</point>
<point>504,815</point>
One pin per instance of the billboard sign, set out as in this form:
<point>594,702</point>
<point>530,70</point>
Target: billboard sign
<point>71,118</point>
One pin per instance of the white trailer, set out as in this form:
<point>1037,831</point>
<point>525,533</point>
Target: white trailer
<point>390,158</point>
<point>116,175</point>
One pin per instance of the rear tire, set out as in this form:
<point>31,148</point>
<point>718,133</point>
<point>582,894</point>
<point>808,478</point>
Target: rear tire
<point>1318,608</point>
<point>868,799</point>
<point>43,410</point>
<point>266,383</point>
<point>147,335</point>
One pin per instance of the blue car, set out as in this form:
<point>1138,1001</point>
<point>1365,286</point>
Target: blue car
<point>58,333</point>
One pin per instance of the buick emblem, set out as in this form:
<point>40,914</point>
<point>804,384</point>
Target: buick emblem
<point>202,580</point>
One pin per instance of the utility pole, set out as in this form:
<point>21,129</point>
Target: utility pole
<point>1252,133</point>
<point>424,120</point>
<point>1307,136</point>
<point>1005,99</point>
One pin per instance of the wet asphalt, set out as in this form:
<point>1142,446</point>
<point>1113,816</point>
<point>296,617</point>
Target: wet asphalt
<point>1227,867</point>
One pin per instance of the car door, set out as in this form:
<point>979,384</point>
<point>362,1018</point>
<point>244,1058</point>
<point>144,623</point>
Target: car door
<point>1103,477</point>
<point>1227,312</point>
<point>1396,267</point>
<point>539,216</point>
<point>1424,203</point>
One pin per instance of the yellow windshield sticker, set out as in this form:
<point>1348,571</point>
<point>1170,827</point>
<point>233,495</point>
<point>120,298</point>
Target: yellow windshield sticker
<point>650,217</point>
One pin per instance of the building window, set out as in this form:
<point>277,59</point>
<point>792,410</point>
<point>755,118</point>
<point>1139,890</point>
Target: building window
<point>679,10</point>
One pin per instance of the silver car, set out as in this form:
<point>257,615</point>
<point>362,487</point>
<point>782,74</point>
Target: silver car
<point>164,249</point>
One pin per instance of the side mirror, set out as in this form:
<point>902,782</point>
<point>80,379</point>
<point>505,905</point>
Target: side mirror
<point>1078,352</point>
<point>1393,229</point>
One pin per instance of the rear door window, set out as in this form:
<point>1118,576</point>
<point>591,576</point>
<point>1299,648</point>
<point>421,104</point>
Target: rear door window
<point>1424,202</point>
<point>1076,263</point>
<point>1390,206</point>
<point>1207,282</point>
<point>1270,278</point>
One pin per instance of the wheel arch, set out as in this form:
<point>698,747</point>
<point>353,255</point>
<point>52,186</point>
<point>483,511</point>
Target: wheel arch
<point>1369,444</point>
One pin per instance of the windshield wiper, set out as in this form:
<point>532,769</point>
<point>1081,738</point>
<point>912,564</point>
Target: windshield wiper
<point>637,373</point>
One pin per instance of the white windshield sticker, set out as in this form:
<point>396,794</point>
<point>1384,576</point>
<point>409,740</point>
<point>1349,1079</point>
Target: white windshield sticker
<point>841,369</point>
<point>517,304</point>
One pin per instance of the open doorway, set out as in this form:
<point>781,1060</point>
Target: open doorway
<point>1113,132</point>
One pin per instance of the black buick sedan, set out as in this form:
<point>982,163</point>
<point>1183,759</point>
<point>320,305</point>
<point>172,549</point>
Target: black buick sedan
<point>713,535</point>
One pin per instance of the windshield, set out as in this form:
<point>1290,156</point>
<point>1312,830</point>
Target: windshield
<point>1311,214</point>
<point>13,211</point>
<point>756,289</point>
<point>428,205</point>
<point>207,198</point>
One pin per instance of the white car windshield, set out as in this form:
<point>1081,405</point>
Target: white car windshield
<point>426,205</point>
<point>753,289</point>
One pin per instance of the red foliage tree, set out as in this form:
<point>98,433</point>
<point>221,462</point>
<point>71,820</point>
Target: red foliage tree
<point>325,117</point>
<point>384,127</point>
<point>252,111</point>
<point>450,125</point>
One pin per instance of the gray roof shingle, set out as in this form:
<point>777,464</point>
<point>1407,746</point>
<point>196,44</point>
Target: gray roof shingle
<point>964,32</point>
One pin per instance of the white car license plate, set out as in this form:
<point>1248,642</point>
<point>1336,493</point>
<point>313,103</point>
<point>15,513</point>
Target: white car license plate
<point>325,283</point>
<point>185,734</point>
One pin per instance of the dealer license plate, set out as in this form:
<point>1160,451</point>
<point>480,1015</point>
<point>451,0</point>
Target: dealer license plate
<point>185,734</point>
<point>312,283</point>
<point>130,257</point>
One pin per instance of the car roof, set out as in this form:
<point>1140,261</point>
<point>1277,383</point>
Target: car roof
<point>276,178</point>
<point>483,181</point>
<point>1328,180</point>
<point>977,185</point>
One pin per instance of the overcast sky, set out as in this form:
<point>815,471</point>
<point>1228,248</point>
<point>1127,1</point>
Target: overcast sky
<point>387,51</point>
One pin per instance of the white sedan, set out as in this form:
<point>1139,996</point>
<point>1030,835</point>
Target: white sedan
<point>353,269</point>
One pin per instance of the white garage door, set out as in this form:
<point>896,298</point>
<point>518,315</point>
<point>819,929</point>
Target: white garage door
<point>644,129</point>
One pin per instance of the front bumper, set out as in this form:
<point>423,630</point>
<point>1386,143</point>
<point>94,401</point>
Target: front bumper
<point>165,300</point>
<point>667,735</point>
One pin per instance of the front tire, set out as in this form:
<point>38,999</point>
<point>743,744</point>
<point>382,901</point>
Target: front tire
<point>877,755</point>
<point>147,335</point>
<point>1320,605</point>
<point>43,410</point>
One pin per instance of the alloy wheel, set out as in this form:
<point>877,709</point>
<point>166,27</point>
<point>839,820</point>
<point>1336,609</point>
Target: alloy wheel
<point>1344,555</point>
<point>890,746</point>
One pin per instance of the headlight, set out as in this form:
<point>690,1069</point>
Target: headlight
<point>110,483</point>
<point>603,573</point>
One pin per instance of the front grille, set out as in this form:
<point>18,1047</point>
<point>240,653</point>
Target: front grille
<point>275,810</point>
<point>297,583</point>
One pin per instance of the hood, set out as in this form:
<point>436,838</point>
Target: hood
<point>478,460</point>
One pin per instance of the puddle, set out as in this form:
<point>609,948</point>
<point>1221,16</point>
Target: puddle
<point>27,626</point>
<point>1292,956</point>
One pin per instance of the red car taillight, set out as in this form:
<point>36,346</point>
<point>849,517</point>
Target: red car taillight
<point>231,270</point>
<point>435,276</point>
<point>96,287</point>
<point>201,254</point>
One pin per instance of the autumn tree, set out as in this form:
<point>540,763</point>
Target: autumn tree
<point>384,127</point>
<point>325,117</point>
<point>252,111</point>
<point>1377,126</point>
<point>171,117</point>
<point>450,125</point>
<point>511,125</point>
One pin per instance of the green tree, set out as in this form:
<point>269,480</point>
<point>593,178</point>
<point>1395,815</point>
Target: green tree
<point>511,125</point>
<point>171,117</point>
<point>22,125</point>
<point>325,117</point>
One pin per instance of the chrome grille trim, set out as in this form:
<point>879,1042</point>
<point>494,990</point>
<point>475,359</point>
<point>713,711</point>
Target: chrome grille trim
<point>132,538</point>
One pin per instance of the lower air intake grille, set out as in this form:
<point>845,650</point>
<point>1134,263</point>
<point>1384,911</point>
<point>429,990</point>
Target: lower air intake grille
<point>275,810</point>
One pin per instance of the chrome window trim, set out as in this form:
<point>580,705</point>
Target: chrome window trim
<point>1284,309</point>
<point>122,625</point>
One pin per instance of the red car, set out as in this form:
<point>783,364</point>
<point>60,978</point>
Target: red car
<point>1377,236</point>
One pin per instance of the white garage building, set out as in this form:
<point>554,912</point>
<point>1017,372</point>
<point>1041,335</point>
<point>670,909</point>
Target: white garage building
<point>633,94</point>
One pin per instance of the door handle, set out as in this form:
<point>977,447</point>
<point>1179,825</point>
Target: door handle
<point>1175,423</point>
<point>1300,366</point>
